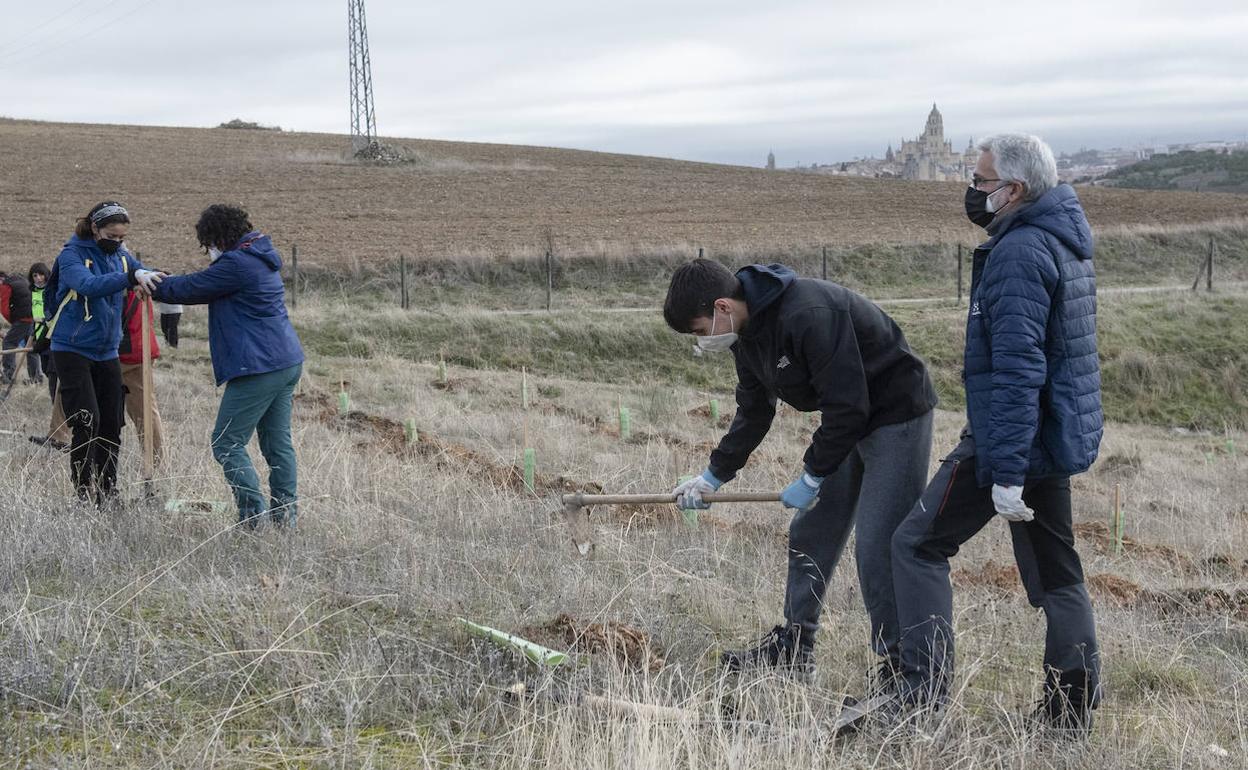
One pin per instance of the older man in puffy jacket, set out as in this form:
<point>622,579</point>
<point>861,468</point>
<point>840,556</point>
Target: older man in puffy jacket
<point>1033,403</point>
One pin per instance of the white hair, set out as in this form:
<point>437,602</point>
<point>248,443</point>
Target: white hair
<point>1023,158</point>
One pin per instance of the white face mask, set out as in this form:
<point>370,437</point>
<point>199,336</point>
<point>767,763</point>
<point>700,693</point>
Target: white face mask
<point>214,253</point>
<point>718,343</point>
<point>991,207</point>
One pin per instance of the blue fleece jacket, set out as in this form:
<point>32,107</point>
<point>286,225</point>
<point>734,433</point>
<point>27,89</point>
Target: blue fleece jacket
<point>1033,379</point>
<point>249,331</point>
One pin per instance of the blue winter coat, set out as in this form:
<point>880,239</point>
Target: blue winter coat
<point>248,329</point>
<point>90,325</point>
<point>1032,376</point>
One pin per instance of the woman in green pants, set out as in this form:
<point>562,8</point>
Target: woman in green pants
<point>255,352</point>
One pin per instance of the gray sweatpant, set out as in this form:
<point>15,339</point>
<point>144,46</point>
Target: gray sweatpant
<point>871,493</point>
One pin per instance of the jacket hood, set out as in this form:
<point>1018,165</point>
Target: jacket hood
<point>764,284</point>
<point>1059,212</point>
<point>260,246</point>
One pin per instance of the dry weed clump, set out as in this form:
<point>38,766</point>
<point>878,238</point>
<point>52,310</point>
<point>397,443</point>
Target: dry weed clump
<point>628,646</point>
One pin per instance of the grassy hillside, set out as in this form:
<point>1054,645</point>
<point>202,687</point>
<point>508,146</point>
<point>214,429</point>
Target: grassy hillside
<point>1206,171</point>
<point>1170,360</point>
<point>487,202</point>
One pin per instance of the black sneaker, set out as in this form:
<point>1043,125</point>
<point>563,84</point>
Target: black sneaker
<point>781,648</point>
<point>885,678</point>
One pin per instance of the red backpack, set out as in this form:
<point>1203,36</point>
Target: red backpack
<point>131,348</point>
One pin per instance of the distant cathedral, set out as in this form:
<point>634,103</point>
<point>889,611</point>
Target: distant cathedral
<point>771,161</point>
<point>930,157</point>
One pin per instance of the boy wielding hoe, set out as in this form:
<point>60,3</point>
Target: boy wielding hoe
<point>819,347</point>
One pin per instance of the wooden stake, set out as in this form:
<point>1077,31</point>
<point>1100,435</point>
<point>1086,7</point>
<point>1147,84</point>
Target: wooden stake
<point>149,451</point>
<point>1117,520</point>
<point>294,275</point>
<point>524,391</point>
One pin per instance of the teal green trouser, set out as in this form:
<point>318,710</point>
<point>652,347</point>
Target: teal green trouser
<point>261,404</point>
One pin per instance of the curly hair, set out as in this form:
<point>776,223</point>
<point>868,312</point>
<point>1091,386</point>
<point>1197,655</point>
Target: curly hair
<point>83,228</point>
<point>222,226</point>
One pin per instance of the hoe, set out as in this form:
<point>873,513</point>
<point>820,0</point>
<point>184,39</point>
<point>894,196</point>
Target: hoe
<point>576,508</point>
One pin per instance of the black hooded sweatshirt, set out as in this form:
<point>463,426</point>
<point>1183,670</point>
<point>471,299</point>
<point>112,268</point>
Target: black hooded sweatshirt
<point>818,346</point>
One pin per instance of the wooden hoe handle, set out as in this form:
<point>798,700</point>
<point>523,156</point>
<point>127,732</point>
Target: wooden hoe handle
<point>581,500</point>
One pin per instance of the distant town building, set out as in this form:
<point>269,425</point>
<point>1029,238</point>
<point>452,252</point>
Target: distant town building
<point>771,161</point>
<point>930,157</point>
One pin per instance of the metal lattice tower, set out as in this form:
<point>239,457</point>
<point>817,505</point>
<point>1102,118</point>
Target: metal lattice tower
<point>363,113</point>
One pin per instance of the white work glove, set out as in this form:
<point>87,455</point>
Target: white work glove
<point>148,279</point>
<point>689,494</point>
<point>1009,503</point>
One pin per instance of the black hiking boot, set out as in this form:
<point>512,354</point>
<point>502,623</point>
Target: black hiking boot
<point>782,648</point>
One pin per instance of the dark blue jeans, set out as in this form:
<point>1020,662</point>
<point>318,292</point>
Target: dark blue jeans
<point>259,404</point>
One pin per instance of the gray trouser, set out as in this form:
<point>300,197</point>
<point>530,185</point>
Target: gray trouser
<point>871,492</point>
<point>951,511</point>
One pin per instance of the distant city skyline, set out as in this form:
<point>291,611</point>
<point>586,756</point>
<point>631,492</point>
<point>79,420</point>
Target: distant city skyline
<point>710,80</point>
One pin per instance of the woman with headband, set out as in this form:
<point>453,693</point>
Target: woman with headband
<point>84,305</point>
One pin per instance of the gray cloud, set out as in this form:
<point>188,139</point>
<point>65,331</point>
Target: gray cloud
<point>705,80</point>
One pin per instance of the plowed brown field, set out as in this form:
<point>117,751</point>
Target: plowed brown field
<point>472,199</point>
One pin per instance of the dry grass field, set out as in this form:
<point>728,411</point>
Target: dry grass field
<point>461,200</point>
<point>143,638</point>
<point>146,639</point>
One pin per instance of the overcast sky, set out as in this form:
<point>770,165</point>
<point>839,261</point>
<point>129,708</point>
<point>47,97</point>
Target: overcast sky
<point>716,80</point>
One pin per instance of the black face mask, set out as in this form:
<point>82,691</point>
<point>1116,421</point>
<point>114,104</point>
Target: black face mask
<point>977,207</point>
<point>108,246</point>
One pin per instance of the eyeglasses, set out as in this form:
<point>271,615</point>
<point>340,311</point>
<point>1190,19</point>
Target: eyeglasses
<point>978,180</point>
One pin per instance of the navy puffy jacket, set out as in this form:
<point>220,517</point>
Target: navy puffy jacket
<point>248,329</point>
<point>1033,379</point>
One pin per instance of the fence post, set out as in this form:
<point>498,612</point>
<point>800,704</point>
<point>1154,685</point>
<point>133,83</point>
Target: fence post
<point>403,282</point>
<point>825,263</point>
<point>1209,279</point>
<point>294,275</point>
<point>959,274</point>
<point>550,281</point>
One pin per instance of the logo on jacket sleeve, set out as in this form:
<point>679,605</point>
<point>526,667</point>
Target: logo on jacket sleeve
<point>783,362</point>
<point>975,308</point>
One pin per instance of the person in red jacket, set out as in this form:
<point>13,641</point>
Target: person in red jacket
<point>15,307</point>
<point>130,352</point>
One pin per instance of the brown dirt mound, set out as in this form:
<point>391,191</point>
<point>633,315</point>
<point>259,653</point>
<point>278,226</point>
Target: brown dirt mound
<point>1103,541</point>
<point>628,646</point>
<point>389,435</point>
<point>1201,601</point>
<point>608,428</point>
<point>1001,577</point>
<point>704,412</point>
<point>457,385</point>
<point>1117,589</point>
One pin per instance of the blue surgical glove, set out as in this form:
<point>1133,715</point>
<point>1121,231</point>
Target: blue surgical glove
<point>689,494</point>
<point>802,494</point>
